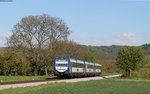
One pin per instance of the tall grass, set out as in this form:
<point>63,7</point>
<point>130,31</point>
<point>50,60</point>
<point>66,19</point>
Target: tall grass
<point>143,73</point>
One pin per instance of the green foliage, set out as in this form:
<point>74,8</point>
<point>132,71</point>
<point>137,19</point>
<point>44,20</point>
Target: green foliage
<point>105,55</point>
<point>109,67</point>
<point>108,73</point>
<point>147,58</point>
<point>142,74</point>
<point>130,58</point>
<point>12,63</point>
<point>107,50</point>
<point>90,58</point>
<point>88,87</point>
<point>146,48</point>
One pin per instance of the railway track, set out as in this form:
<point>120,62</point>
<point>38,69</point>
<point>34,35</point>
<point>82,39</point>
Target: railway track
<point>7,85</point>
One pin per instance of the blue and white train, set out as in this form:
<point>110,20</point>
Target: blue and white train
<point>68,67</point>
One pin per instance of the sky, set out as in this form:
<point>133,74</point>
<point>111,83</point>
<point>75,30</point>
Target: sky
<point>92,22</point>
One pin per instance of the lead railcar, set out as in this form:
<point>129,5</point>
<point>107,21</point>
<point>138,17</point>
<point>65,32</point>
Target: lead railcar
<point>68,67</point>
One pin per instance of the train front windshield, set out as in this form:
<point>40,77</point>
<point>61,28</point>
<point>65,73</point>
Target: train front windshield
<point>61,63</point>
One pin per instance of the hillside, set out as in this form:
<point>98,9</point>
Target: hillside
<point>107,50</point>
<point>113,50</point>
<point>108,54</point>
<point>2,48</point>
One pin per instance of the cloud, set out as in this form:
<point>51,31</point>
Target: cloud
<point>77,41</point>
<point>3,37</point>
<point>126,38</point>
<point>96,42</point>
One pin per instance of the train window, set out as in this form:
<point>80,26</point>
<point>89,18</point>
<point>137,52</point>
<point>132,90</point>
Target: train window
<point>61,60</point>
<point>61,65</point>
<point>79,65</point>
<point>90,66</point>
<point>98,67</point>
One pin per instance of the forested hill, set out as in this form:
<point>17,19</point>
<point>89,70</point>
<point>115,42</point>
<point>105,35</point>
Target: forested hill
<point>146,48</point>
<point>107,50</point>
<point>112,50</point>
<point>2,48</point>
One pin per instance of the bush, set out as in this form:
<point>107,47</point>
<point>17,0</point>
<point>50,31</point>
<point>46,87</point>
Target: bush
<point>143,73</point>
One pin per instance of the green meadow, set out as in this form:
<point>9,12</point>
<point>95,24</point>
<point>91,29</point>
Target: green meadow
<point>108,86</point>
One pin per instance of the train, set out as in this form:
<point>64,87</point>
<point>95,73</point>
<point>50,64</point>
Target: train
<point>68,67</point>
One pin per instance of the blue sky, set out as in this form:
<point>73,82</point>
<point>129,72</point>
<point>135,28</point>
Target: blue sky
<point>92,22</point>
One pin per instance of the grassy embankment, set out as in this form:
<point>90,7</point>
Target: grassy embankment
<point>142,74</point>
<point>89,87</point>
<point>23,78</point>
<point>29,78</point>
<point>106,73</point>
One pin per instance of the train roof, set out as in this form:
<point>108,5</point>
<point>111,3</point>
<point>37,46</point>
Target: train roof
<point>61,58</point>
<point>88,62</point>
<point>80,61</point>
<point>98,64</point>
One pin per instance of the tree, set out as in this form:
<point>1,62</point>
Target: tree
<point>130,59</point>
<point>89,57</point>
<point>69,49</point>
<point>38,34</point>
<point>13,63</point>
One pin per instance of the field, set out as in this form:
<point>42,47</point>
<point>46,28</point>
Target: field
<point>23,78</point>
<point>89,87</point>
